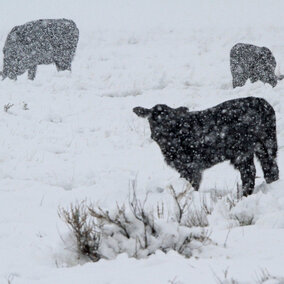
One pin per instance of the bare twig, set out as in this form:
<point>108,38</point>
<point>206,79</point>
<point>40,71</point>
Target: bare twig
<point>88,239</point>
<point>119,220</point>
<point>181,200</point>
<point>25,106</point>
<point>7,107</point>
<point>138,210</point>
<point>227,236</point>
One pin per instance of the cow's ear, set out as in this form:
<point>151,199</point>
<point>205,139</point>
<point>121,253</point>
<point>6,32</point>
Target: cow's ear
<point>142,112</point>
<point>182,109</point>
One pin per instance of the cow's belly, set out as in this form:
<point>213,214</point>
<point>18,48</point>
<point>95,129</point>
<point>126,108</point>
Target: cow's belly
<point>41,58</point>
<point>209,157</point>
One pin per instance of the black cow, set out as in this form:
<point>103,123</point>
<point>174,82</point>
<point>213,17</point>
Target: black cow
<point>248,61</point>
<point>39,42</point>
<point>234,130</point>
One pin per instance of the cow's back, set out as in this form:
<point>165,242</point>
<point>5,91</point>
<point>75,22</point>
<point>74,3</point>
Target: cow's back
<point>58,33</point>
<point>238,123</point>
<point>241,121</point>
<point>244,55</point>
<point>63,34</point>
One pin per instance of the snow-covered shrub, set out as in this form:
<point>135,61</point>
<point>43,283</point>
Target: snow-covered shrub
<point>241,210</point>
<point>197,218</point>
<point>136,229</point>
<point>230,209</point>
<point>84,230</point>
<point>265,277</point>
<point>243,218</point>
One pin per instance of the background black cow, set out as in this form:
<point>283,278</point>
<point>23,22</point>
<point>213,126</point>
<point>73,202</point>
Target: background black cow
<point>248,61</point>
<point>39,42</point>
<point>234,130</point>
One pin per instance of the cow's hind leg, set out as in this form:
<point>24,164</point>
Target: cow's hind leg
<point>268,164</point>
<point>63,61</point>
<point>247,170</point>
<point>62,66</point>
<point>32,72</point>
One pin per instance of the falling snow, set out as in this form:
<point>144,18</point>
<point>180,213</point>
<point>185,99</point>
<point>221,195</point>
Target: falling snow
<point>72,136</point>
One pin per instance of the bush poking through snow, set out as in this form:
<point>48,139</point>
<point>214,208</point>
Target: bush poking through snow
<point>243,215</point>
<point>135,229</point>
<point>25,106</point>
<point>7,107</point>
<point>243,219</point>
<point>197,218</point>
<point>265,277</point>
<point>187,213</point>
<point>84,230</point>
<point>227,279</point>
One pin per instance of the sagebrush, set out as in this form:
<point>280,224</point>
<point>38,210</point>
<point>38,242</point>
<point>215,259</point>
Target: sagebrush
<point>137,229</point>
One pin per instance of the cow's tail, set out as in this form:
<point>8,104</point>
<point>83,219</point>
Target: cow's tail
<point>266,150</point>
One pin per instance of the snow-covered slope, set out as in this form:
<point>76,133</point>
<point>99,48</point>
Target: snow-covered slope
<point>73,136</point>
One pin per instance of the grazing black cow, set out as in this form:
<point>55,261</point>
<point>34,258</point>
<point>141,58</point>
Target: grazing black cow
<point>248,61</point>
<point>234,130</point>
<point>39,42</point>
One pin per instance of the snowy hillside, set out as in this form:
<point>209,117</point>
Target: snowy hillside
<point>70,137</point>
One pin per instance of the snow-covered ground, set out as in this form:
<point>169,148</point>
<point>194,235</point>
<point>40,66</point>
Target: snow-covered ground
<point>73,136</point>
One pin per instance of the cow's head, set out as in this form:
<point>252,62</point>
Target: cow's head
<point>10,68</point>
<point>15,61</point>
<point>142,112</point>
<point>162,118</point>
<point>8,72</point>
<point>266,67</point>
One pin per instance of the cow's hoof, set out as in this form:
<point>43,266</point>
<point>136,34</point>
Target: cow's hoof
<point>247,192</point>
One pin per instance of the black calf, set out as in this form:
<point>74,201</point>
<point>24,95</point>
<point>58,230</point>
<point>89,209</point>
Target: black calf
<point>234,130</point>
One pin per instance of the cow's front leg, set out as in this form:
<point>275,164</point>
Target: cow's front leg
<point>239,80</point>
<point>196,180</point>
<point>193,177</point>
<point>32,72</point>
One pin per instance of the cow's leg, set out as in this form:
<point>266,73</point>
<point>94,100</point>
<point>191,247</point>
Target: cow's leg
<point>196,180</point>
<point>32,72</point>
<point>270,170</point>
<point>238,73</point>
<point>247,170</point>
<point>10,74</point>
<point>253,77</point>
<point>192,176</point>
<point>268,164</point>
<point>239,81</point>
<point>63,61</point>
<point>68,65</point>
<point>63,66</point>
